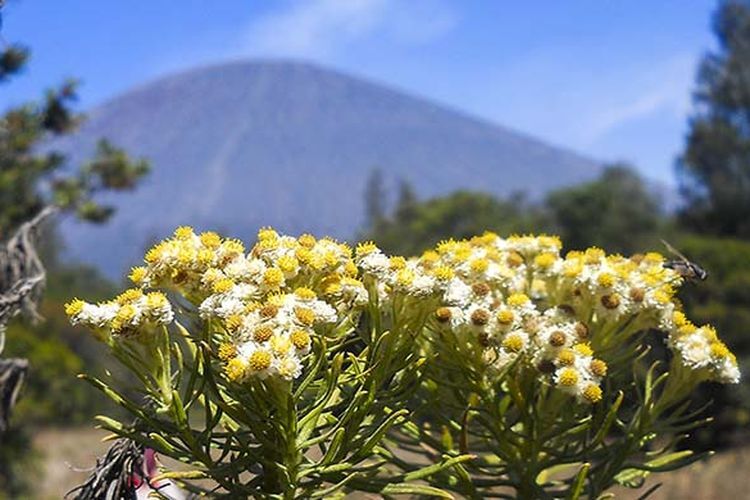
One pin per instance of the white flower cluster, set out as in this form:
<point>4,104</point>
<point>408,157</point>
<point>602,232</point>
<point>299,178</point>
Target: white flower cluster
<point>130,313</point>
<point>701,349</point>
<point>271,339</point>
<point>520,299</point>
<point>268,302</point>
<point>394,274</point>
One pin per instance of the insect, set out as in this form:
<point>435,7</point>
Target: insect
<point>684,267</point>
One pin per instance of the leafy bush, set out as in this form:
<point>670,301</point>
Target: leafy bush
<point>302,369</point>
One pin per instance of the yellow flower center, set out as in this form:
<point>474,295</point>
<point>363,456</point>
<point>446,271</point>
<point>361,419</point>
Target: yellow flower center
<point>259,360</point>
<point>304,315</point>
<point>568,377</point>
<point>262,333</point>
<point>592,393</point>
<point>300,339</point>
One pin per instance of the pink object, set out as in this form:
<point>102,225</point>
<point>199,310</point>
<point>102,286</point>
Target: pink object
<point>144,484</point>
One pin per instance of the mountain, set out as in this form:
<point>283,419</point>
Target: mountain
<point>241,145</point>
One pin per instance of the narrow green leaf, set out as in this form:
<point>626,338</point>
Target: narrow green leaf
<point>580,480</point>
<point>414,489</point>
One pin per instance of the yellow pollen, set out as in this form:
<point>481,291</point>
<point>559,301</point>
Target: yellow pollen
<point>593,255</point>
<point>185,255</point>
<point>350,269</point>
<point>138,275</point>
<point>405,277</point>
<point>573,268</point>
<point>566,357</point>
<point>211,240</point>
<point>267,234</point>
<point>304,255</point>
<point>155,253</point>
<point>222,286</point>
<point>262,333</point>
<point>505,317</point>
<point>74,307</point>
<point>517,299</point>
<point>583,349</point>
<point>233,248</point>
<point>129,296</point>
<point>550,241</point>
<point>304,293</point>
<point>479,265</point>
<point>443,273</point>
<point>269,310</point>
<point>598,367</point>
<point>686,329</point>
<point>273,277</point>
<point>514,259</point>
<point>330,258</point>
<point>679,318</point>
<point>252,306</point>
<point>227,351</point>
<point>183,232</point>
<point>235,369</point>
<point>124,315</point>
<point>280,344</point>
<point>259,360</point>
<point>545,260</point>
<point>605,280</point>
<point>306,240</point>
<point>365,248</point>
<point>156,300</point>
<point>287,264</point>
<point>513,343</point>
<point>568,377</point>
<point>429,257</point>
<point>592,393</point>
<point>206,257</point>
<point>304,315</point>
<point>653,258</point>
<point>233,322</point>
<point>300,339</point>
<point>397,263</point>
<point>462,253</point>
<point>445,246</point>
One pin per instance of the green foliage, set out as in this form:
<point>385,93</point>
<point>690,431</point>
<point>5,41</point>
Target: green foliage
<point>722,300</point>
<point>31,178</point>
<point>57,353</point>
<point>714,169</point>
<point>331,378</point>
<point>615,212</point>
<point>415,226</point>
<point>375,199</point>
<point>18,464</point>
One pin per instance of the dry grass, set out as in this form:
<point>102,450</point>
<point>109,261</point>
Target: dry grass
<point>724,476</point>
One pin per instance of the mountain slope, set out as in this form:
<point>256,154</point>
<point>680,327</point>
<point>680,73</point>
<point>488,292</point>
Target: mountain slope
<point>241,145</point>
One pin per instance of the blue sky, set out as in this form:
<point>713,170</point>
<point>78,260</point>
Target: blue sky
<point>611,79</point>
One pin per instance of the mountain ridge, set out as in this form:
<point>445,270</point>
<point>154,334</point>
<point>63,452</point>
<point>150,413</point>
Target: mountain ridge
<point>244,144</point>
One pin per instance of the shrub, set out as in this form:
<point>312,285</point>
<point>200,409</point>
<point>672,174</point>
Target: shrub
<point>302,369</point>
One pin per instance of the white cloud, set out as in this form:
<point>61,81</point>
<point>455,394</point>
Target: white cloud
<point>667,89</point>
<point>321,28</point>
